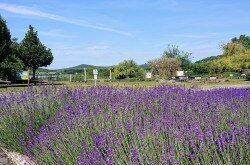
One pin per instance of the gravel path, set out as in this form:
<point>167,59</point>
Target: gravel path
<point>4,160</point>
<point>13,158</point>
<point>212,86</point>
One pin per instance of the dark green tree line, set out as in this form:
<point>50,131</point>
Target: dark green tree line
<point>9,61</point>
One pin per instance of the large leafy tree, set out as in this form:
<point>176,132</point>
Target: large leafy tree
<point>9,62</point>
<point>5,40</point>
<point>174,52</point>
<point>231,63</point>
<point>164,67</point>
<point>235,56</point>
<point>233,48</point>
<point>199,68</point>
<point>243,39</point>
<point>12,63</point>
<point>33,53</point>
<point>128,69</point>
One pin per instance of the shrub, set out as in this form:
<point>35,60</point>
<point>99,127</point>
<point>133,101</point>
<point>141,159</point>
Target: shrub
<point>248,77</point>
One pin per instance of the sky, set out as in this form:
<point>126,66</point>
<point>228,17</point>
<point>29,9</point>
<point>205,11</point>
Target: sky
<point>106,32</point>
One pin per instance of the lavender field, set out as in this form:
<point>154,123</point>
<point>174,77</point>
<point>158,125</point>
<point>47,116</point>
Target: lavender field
<point>111,125</point>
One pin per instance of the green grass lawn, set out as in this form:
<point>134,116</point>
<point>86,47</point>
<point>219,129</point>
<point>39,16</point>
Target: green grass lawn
<point>202,84</point>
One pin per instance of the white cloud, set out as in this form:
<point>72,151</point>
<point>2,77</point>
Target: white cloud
<point>98,47</point>
<point>196,36</point>
<point>29,11</point>
<point>57,33</point>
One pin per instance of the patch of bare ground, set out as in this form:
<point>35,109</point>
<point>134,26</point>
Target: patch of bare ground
<point>13,158</point>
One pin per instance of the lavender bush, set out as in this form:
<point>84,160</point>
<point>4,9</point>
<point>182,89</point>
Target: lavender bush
<point>108,125</point>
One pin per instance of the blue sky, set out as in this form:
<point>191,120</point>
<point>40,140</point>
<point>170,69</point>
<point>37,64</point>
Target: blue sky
<point>106,32</point>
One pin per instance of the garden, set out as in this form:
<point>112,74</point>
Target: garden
<point>127,125</point>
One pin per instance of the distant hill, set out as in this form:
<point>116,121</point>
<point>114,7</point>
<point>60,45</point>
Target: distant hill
<point>43,70</point>
<point>84,66</point>
<point>208,59</point>
<point>80,67</point>
<point>145,66</point>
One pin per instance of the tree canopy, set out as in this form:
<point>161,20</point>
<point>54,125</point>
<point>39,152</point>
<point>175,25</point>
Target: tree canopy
<point>233,48</point>
<point>164,67</point>
<point>33,53</point>
<point>5,40</point>
<point>231,63</point>
<point>128,69</point>
<point>9,61</point>
<point>12,63</point>
<point>236,55</point>
<point>200,68</point>
<point>173,51</point>
<point>243,39</point>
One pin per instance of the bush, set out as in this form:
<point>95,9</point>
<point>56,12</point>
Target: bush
<point>248,77</point>
<point>235,74</point>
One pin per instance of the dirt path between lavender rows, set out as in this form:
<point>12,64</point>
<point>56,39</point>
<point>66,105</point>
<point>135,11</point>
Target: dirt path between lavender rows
<point>225,86</point>
<point>13,158</point>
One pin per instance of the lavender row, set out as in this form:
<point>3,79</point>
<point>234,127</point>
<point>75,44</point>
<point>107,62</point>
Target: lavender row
<point>109,125</point>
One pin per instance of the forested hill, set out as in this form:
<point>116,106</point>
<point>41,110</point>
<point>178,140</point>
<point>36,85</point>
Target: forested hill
<point>208,59</point>
<point>82,66</point>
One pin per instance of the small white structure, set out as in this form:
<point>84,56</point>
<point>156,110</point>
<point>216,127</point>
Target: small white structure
<point>95,73</point>
<point>197,78</point>
<point>183,78</point>
<point>148,75</point>
<point>231,75</point>
<point>180,73</point>
<point>212,78</point>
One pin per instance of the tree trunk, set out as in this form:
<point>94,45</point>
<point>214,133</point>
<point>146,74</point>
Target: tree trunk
<point>34,74</point>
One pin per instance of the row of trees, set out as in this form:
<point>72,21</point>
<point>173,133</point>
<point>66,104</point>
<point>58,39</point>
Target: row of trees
<point>30,53</point>
<point>236,56</point>
<point>172,59</point>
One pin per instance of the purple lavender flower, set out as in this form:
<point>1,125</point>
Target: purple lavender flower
<point>134,156</point>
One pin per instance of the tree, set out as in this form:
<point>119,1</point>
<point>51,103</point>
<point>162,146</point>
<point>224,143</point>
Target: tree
<point>33,53</point>
<point>235,56</point>
<point>12,63</point>
<point>164,67</point>
<point>231,63</point>
<point>128,69</point>
<point>5,40</point>
<point>174,52</point>
<point>9,62</point>
<point>243,39</point>
<point>200,68</point>
<point>232,48</point>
